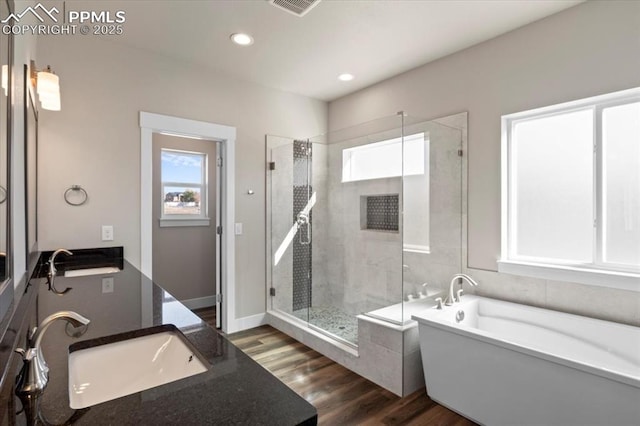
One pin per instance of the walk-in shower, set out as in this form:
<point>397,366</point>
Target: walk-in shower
<point>364,220</point>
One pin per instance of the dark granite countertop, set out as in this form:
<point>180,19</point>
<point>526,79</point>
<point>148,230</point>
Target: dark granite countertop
<point>234,391</point>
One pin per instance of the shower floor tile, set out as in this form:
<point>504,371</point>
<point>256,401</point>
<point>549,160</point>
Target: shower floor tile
<point>332,320</point>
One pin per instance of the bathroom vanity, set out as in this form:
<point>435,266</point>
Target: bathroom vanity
<point>233,390</point>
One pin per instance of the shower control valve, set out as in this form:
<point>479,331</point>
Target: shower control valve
<point>302,219</point>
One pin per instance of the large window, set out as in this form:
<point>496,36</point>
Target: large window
<point>571,191</point>
<point>184,186</point>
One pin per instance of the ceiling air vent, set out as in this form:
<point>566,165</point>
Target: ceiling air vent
<point>297,7</point>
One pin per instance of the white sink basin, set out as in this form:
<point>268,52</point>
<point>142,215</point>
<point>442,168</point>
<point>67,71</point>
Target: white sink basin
<point>91,271</point>
<point>109,371</point>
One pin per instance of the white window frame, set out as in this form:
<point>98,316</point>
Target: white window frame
<point>172,220</point>
<point>597,273</point>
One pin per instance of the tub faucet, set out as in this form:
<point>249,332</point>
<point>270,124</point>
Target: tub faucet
<point>51,275</point>
<point>34,375</point>
<point>421,294</point>
<point>464,277</point>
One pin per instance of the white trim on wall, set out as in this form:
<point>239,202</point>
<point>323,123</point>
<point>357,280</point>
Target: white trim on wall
<point>251,321</point>
<point>226,135</point>
<point>595,271</point>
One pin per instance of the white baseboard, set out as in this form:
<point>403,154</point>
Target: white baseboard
<point>246,323</point>
<point>236,325</point>
<point>199,302</point>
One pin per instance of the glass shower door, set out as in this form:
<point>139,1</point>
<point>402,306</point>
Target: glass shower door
<point>289,225</point>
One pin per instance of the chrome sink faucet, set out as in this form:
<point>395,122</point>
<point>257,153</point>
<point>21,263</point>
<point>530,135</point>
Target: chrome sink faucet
<point>52,259</point>
<point>51,275</point>
<point>451,298</point>
<point>34,375</point>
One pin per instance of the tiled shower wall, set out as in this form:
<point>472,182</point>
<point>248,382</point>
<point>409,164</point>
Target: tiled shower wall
<point>321,243</point>
<point>356,269</point>
<point>301,245</point>
<point>442,216</point>
<point>367,265</point>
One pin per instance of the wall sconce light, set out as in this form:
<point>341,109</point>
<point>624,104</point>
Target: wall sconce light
<point>47,86</point>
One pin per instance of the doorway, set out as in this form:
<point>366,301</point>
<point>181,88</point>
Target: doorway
<point>224,136</point>
<point>185,214</point>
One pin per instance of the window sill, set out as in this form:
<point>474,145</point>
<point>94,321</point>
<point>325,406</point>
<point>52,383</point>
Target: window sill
<point>595,277</point>
<point>415,248</point>
<point>170,223</point>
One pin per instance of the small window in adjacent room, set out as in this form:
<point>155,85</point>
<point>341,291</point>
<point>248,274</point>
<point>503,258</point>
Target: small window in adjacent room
<point>571,191</point>
<point>184,186</point>
<point>385,159</point>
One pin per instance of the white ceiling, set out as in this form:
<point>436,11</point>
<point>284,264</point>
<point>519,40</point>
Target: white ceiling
<point>373,40</point>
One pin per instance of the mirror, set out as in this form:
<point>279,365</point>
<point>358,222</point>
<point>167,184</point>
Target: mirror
<point>5,149</point>
<point>31,169</point>
<point>6,50</point>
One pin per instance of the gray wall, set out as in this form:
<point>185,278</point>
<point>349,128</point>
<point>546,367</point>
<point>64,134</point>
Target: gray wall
<point>586,50</point>
<point>95,142</point>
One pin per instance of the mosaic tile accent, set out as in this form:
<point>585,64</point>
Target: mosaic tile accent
<point>301,252</point>
<point>332,320</point>
<point>382,212</point>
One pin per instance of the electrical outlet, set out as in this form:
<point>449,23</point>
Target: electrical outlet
<point>107,232</point>
<point>107,285</point>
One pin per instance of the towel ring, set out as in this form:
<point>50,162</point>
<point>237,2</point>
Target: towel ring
<point>72,190</point>
<point>3,194</point>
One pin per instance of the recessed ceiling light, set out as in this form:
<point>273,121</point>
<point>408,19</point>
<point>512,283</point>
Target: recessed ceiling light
<point>345,77</point>
<point>242,39</point>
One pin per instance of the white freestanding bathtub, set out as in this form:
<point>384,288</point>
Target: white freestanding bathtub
<point>511,364</point>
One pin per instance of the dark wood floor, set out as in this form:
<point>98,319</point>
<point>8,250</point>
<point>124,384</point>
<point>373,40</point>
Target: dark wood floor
<point>208,315</point>
<point>341,396</point>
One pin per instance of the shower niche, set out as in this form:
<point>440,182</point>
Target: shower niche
<point>380,212</point>
<point>364,228</point>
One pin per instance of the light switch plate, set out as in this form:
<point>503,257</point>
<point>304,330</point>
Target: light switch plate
<point>239,228</point>
<point>107,285</point>
<point>107,232</point>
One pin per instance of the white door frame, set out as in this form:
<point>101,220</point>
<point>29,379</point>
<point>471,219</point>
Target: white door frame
<point>226,135</point>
